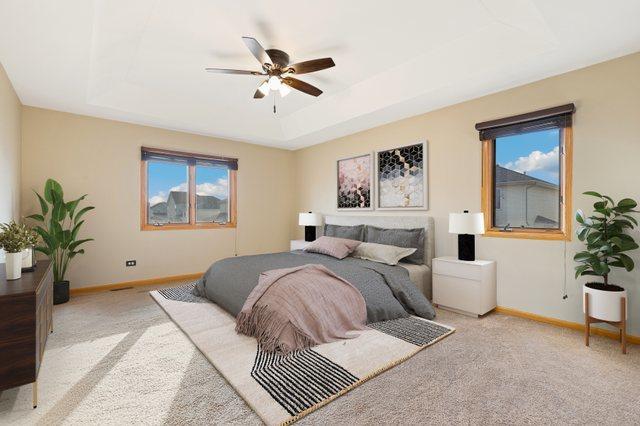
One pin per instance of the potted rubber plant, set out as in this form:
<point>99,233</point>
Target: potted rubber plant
<point>607,243</point>
<point>14,238</point>
<point>58,225</point>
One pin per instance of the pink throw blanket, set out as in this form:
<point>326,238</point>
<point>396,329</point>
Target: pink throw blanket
<point>295,308</point>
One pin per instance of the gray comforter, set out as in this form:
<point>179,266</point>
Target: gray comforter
<point>387,290</point>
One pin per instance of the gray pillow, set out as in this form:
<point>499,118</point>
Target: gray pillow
<point>409,238</point>
<point>347,232</point>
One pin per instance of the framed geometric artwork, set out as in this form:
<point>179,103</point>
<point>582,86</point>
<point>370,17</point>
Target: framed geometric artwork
<point>355,183</point>
<point>401,178</point>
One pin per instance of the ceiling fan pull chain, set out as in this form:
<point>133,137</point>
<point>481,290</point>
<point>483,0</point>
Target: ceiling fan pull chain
<point>274,104</point>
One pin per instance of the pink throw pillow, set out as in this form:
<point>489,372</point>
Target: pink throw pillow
<point>331,246</point>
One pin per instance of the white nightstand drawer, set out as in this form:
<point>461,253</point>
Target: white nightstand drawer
<point>458,293</point>
<point>461,269</point>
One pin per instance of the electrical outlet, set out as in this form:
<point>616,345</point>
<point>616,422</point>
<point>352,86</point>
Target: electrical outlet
<point>130,263</point>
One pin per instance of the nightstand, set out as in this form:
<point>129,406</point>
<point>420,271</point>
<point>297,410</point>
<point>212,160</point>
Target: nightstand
<point>467,287</point>
<point>298,244</point>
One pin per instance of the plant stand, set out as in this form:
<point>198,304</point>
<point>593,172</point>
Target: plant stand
<point>621,325</point>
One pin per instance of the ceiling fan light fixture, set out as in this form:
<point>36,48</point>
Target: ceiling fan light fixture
<point>264,88</point>
<point>284,90</point>
<point>274,83</point>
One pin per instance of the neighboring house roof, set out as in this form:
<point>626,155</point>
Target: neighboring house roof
<point>504,175</point>
<point>159,208</point>
<point>208,202</point>
<point>178,197</point>
<point>545,221</point>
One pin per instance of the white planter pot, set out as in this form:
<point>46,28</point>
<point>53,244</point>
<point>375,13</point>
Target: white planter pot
<point>605,305</point>
<point>27,261</point>
<point>13,265</point>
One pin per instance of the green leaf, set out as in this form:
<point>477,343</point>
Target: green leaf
<point>59,211</point>
<point>76,228</point>
<point>580,216</point>
<point>630,219</point>
<point>43,250</point>
<point>52,187</point>
<point>592,193</point>
<point>43,204</point>
<point>37,217</point>
<point>599,206</point>
<point>581,269</point>
<point>626,261</point>
<point>583,255</point>
<point>82,212</point>
<point>72,205</point>
<point>74,253</point>
<point>75,244</point>
<point>627,203</point>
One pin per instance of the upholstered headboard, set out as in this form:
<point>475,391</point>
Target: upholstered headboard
<point>394,222</point>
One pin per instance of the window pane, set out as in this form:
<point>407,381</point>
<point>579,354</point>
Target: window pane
<point>212,194</point>
<point>168,192</point>
<point>526,179</point>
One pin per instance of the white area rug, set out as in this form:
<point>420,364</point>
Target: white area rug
<point>282,389</point>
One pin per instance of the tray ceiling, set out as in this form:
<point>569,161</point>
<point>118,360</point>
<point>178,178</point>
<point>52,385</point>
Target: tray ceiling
<point>142,61</point>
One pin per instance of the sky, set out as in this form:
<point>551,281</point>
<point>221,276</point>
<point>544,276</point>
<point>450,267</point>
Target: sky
<point>164,177</point>
<point>536,154</point>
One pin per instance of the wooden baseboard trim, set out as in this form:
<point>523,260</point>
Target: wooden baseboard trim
<point>562,323</point>
<point>136,283</point>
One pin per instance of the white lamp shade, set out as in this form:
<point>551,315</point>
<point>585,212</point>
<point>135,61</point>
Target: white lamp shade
<point>466,223</point>
<point>309,219</point>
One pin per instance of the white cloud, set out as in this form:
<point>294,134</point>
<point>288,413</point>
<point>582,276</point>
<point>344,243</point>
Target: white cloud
<point>536,161</point>
<point>181,188</point>
<point>218,189</point>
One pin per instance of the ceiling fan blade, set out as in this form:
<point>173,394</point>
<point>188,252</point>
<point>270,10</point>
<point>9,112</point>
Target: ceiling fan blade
<point>258,94</point>
<point>227,71</point>
<point>302,86</point>
<point>257,50</point>
<point>312,65</point>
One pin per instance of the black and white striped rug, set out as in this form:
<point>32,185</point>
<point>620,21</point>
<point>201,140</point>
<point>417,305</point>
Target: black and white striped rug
<point>301,379</point>
<point>283,388</point>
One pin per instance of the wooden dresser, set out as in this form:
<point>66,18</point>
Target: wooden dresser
<point>26,308</point>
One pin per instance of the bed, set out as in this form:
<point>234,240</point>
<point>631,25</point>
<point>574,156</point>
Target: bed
<point>420,275</point>
<point>390,292</point>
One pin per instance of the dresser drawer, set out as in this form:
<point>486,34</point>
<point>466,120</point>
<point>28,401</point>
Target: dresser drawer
<point>468,271</point>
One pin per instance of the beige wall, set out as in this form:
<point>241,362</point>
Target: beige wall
<point>531,274</point>
<point>102,158</point>
<point>10,111</point>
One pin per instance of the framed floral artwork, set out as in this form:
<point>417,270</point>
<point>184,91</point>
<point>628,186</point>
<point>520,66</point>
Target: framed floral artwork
<point>355,183</point>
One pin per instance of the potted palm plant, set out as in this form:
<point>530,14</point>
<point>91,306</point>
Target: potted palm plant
<point>14,238</point>
<point>607,244</point>
<point>59,225</point>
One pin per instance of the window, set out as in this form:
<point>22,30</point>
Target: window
<point>187,191</point>
<point>526,184</point>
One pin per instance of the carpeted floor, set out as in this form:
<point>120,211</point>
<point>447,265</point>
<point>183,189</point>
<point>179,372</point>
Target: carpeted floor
<point>116,358</point>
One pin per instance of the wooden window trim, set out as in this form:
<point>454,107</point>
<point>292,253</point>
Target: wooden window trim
<point>233,203</point>
<point>566,190</point>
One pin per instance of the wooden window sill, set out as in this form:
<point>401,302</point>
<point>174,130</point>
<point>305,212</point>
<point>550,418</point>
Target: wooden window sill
<point>187,226</point>
<point>529,234</point>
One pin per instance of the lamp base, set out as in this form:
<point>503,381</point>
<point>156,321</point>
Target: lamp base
<point>309,233</point>
<point>466,247</point>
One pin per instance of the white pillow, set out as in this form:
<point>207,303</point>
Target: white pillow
<point>382,253</point>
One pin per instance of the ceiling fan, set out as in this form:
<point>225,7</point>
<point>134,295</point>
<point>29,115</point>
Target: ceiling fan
<point>276,67</point>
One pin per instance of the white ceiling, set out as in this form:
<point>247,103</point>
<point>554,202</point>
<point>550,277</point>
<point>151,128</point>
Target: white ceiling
<point>142,61</point>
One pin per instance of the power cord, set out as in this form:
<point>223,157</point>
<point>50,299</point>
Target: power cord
<point>564,276</point>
